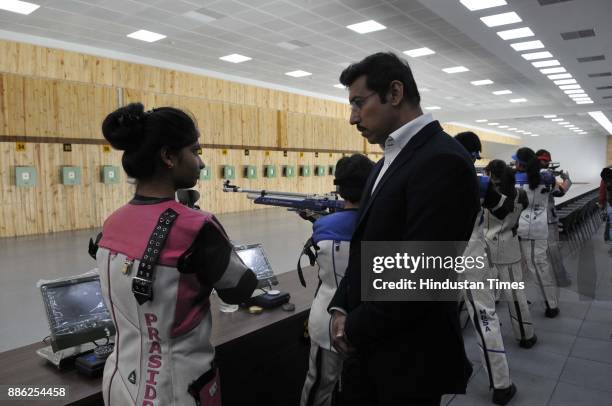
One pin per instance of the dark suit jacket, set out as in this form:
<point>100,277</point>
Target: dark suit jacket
<point>429,193</point>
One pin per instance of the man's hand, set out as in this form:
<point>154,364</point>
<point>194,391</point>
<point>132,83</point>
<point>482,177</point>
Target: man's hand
<point>339,340</point>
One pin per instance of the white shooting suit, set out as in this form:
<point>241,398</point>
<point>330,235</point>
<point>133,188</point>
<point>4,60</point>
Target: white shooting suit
<point>163,354</point>
<point>533,230</point>
<point>332,234</point>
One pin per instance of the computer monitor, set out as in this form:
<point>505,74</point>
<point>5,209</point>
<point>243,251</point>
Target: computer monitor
<point>76,311</point>
<point>254,256</point>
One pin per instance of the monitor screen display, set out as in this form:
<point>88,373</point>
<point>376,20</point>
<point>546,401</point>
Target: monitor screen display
<point>255,258</point>
<point>76,311</point>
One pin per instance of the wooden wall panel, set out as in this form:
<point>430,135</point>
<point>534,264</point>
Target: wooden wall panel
<point>61,94</point>
<point>609,150</point>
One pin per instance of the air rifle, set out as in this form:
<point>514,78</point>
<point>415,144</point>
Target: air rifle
<point>300,202</point>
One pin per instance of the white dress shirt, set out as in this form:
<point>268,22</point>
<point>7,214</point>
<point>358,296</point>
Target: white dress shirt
<point>398,139</point>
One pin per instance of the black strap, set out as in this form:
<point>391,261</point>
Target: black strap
<point>310,250</point>
<point>93,246</point>
<point>142,283</point>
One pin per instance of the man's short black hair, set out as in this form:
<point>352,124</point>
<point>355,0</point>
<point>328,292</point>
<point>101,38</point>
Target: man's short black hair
<point>351,175</point>
<point>380,70</point>
<point>470,141</point>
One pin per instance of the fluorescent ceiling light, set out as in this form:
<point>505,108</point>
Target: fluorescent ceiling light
<point>550,116</point>
<point>535,135</point>
<point>298,73</point>
<point>565,82</point>
<point>456,69</point>
<point>526,46</point>
<point>546,64</point>
<point>484,120</point>
<point>585,102</point>
<point>147,36</point>
<point>557,119</point>
<point>366,27</point>
<point>574,96</point>
<point>493,123</point>
<point>553,70</point>
<point>16,6</point>
<point>569,87</point>
<point>575,91</point>
<point>581,99</point>
<point>340,86</point>
<point>520,131</point>
<point>516,33</point>
<point>518,100</point>
<point>527,132</point>
<point>415,53</point>
<point>501,19</point>
<point>500,92</point>
<point>537,55</point>
<point>503,126</point>
<point>482,82</point>
<point>568,125</point>
<point>433,108</point>
<point>474,5</point>
<point>235,58</point>
<point>201,17</point>
<point>560,76</point>
<point>511,129</point>
<point>563,123</point>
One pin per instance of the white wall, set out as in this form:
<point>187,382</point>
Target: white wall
<point>583,157</point>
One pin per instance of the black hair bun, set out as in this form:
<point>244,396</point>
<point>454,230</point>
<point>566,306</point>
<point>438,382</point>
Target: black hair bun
<point>123,128</point>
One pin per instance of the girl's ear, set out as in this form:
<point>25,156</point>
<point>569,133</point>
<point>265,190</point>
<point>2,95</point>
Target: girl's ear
<point>166,157</point>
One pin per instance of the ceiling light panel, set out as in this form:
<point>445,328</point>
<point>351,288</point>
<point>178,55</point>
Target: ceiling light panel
<point>569,87</point>
<point>366,27</point>
<point>339,86</point>
<point>483,82</point>
<point>526,46</point>
<point>557,119</point>
<point>576,96</point>
<point>565,82</point>
<point>560,76</point>
<point>550,116</point>
<point>298,73</point>
<point>493,123</point>
<point>415,53</point>
<point>585,102</point>
<point>455,69</point>
<point>433,108</point>
<point>20,7</point>
<point>521,100</point>
<point>497,20</point>
<point>147,36</point>
<point>537,55</point>
<point>500,92</point>
<point>475,5</point>
<point>602,119</point>
<point>235,58</point>
<point>546,64</point>
<point>482,120</point>
<point>576,91</point>
<point>516,33</point>
<point>548,71</point>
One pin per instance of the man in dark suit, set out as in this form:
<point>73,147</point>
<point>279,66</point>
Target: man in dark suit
<point>425,189</point>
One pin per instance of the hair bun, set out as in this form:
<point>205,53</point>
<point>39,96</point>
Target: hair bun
<point>123,128</point>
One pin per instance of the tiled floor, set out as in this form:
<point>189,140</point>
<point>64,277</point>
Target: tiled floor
<point>572,362</point>
<point>570,365</point>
